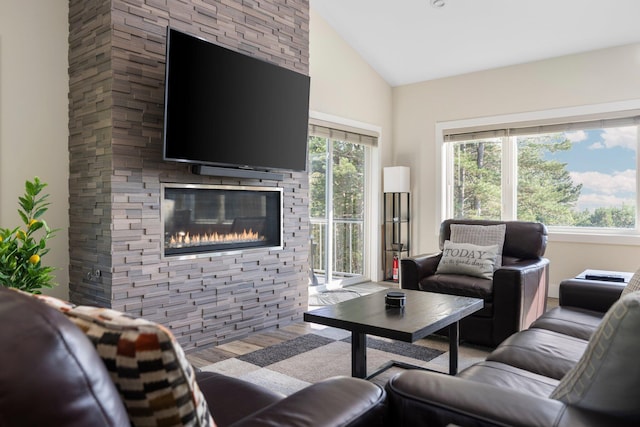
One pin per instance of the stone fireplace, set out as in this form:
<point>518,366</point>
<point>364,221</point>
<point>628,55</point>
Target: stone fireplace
<point>198,220</point>
<point>117,174</point>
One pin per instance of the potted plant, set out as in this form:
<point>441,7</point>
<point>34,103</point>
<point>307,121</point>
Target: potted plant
<point>22,248</point>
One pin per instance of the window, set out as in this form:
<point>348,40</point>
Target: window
<point>580,175</point>
<point>338,161</point>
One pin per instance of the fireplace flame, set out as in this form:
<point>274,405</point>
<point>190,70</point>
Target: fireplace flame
<point>185,239</point>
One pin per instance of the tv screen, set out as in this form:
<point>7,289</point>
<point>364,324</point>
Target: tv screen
<point>224,108</point>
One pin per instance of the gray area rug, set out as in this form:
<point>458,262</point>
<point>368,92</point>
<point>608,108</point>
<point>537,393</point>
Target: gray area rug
<point>401,348</point>
<point>292,365</point>
<point>281,352</point>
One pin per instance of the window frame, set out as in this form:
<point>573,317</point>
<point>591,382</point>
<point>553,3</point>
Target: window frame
<point>509,167</point>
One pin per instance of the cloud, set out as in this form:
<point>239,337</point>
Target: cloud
<point>606,184</point>
<point>625,137</point>
<point>593,201</point>
<point>576,136</point>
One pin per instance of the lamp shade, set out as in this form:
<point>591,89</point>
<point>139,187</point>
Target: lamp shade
<point>396,179</point>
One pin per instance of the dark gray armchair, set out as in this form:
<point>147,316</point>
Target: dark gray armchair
<point>513,299</point>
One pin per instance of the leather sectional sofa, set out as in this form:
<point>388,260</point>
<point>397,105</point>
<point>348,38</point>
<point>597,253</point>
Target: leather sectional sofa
<point>574,366</point>
<point>53,375</point>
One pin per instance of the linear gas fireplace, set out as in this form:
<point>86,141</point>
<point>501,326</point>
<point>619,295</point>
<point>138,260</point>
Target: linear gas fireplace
<point>204,219</point>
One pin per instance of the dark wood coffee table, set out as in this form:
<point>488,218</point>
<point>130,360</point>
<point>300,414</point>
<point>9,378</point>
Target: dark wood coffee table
<point>423,314</point>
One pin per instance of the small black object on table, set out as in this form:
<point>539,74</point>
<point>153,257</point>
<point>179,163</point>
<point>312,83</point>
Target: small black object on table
<point>605,276</point>
<point>395,299</point>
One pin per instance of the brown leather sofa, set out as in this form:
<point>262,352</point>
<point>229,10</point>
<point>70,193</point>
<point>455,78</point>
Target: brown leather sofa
<point>517,384</point>
<point>512,300</point>
<point>51,375</point>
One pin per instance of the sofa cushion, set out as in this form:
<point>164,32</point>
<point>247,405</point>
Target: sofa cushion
<point>572,321</point>
<point>155,380</point>
<point>503,375</point>
<point>607,376</point>
<point>541,351</point>
<point>458,284</point>
<point>468,259</point>
<point>633,285</point>
<point>481,235</point>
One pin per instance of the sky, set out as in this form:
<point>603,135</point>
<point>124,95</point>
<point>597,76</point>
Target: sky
<point>604,162</point>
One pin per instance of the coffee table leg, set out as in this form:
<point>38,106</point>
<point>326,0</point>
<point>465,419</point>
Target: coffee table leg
<point>358,355</point>
<point>454,330</point>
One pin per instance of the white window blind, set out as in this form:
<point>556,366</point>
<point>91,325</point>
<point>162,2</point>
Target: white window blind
<point>620,119</point>
<point>343,133</point>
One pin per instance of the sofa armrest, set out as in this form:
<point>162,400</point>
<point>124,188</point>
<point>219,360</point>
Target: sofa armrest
<point>593,295</point>
<point>519,296</point>
<point>422,398</point>
<point>414,268</point>
<point>338,401</point>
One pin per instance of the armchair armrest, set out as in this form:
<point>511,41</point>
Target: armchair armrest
<point>421,398</point>
<point>593,295</point>
<point>339,401</point>
<point>413,269</point>
<point>519,296</point>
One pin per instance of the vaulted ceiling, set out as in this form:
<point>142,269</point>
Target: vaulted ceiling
<point>408,41</point>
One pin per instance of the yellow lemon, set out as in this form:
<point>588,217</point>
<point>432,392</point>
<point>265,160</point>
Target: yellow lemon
<point>21,234</point>
<point>33,221</point>
<point>34,259</point>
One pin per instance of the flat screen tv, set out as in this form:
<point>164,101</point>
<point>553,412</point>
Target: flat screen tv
<point>224,108</point>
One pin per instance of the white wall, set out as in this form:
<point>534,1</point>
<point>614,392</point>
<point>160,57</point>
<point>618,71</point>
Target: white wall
<point>344,85</point>
<point>34,116</point>
<point>603,76</point>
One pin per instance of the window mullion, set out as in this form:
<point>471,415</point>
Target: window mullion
<point>509,178</point>
<point>447,205</point>
<point>637,179</point>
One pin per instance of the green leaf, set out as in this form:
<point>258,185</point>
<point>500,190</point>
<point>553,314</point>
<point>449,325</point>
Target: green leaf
<point>29,187</point>
<point>24,217</point>
<point>36,226</point>
<point>40,212</point>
